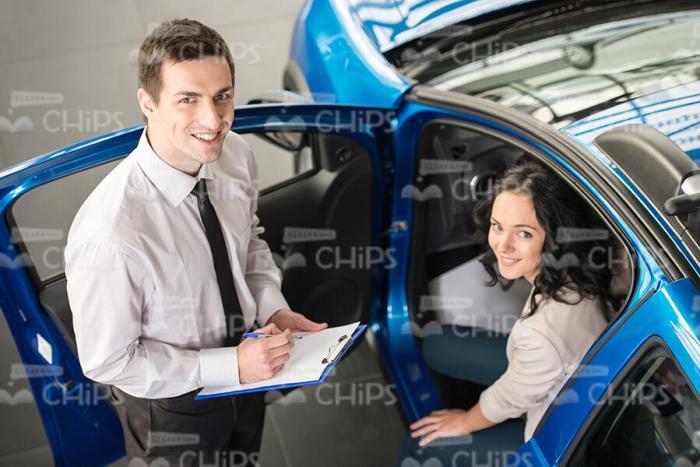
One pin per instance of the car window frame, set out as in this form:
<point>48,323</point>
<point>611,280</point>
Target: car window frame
<point>574,184</point>
<point>652,343</point>
<point>314,143</point>
<point>20,245</point>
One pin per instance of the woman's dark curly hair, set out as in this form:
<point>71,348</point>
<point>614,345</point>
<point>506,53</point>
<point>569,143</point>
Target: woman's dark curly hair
<point>578,264</point>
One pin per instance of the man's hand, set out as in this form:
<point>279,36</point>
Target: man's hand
<point>262,358</point>
<point>289,320</point>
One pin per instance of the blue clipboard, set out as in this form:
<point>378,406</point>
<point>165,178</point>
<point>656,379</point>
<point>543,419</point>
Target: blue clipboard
<point>357,333</point>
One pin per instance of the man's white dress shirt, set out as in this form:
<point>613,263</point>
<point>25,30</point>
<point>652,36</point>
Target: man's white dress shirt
<point>543,350</point>
<point>147,311</point>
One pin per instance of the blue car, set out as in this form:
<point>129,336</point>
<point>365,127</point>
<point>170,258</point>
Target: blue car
<point>411,111</point>
<point>606,93</point>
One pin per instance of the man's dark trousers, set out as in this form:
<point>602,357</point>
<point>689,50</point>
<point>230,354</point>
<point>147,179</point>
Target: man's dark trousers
<point>222,431</point>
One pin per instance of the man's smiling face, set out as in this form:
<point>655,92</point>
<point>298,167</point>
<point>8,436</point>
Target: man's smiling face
<point>187,126</point>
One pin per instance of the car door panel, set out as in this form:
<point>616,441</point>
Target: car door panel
<point>326,278</point>
<point>81,426</point>
<point>400,333</point>
<point>656,320</point>
<point>422,109</point>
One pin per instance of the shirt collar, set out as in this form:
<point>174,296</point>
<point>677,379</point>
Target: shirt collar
<point>174,184</point>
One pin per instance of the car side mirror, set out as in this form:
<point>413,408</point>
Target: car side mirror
<point>288,140</point>
<point>279,96</point>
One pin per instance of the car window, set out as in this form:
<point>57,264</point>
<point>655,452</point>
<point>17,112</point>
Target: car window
<point>280,156</point>
<point>558,63</point>
<point>44,215</point>
<point>652,418</point>
<point>458,166</point>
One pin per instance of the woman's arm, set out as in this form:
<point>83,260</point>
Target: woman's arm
<point>447,423</point>
<point>532,372</point>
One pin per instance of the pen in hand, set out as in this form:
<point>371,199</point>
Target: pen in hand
<point>257,335</point>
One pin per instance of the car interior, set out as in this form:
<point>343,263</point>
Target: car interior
<point>462,324</point>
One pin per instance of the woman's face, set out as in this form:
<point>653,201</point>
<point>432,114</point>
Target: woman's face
<point>515,236</point>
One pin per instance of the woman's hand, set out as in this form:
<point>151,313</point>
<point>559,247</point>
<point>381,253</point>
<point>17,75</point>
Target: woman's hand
<point>441,424</point>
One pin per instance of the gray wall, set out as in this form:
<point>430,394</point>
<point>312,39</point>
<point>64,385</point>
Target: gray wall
<point>80,56</point>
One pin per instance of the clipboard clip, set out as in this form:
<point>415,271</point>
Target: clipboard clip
<point>343,341</point>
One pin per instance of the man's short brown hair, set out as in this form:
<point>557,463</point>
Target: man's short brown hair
<point>178,40</point>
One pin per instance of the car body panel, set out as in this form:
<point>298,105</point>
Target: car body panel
<point>327,42</point>
<point>664,318</point>
<point>394,22</point>
<point>337,45</point>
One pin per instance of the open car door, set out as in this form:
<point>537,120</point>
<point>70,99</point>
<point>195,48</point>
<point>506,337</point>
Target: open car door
<point>321,217</point>
<point>448,148</point>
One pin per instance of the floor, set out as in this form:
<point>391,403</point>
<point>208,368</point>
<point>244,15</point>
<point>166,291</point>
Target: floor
<point>69,74</point>
<point>352,419</point>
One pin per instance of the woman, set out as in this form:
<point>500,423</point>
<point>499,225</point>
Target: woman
<point>530,221</point>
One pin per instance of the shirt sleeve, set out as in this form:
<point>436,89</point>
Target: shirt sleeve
<point>108,289</point>
<point>262,275</point>
<point>533,372</point>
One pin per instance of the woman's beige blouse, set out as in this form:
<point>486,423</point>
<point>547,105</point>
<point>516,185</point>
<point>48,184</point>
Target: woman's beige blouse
<point>542,350</point>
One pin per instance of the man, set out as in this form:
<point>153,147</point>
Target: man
<point>165,269</point>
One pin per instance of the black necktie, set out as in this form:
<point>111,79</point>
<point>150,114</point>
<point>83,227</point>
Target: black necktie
<point>224,276</point>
